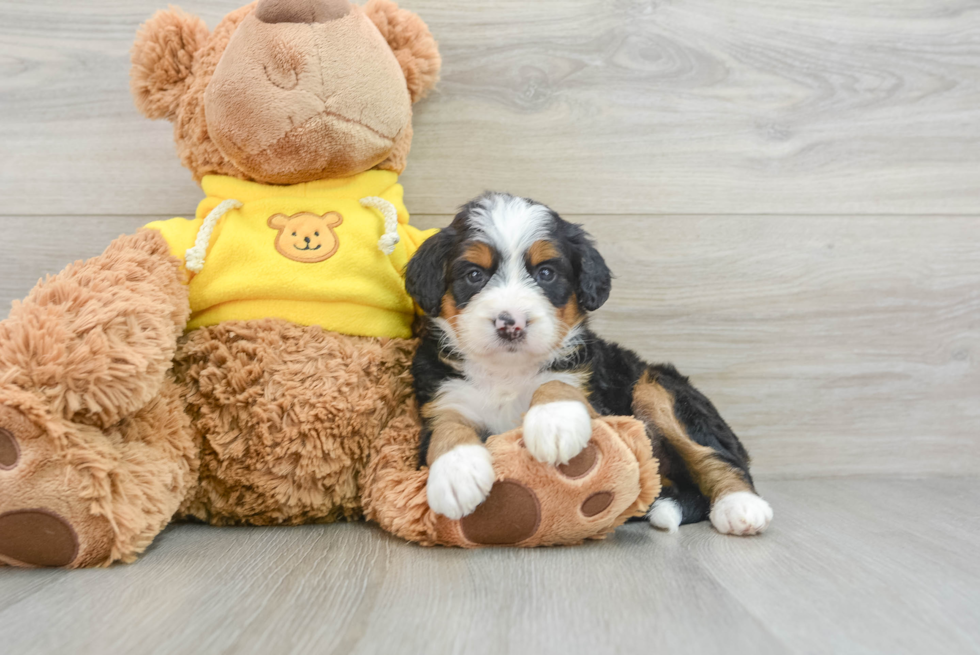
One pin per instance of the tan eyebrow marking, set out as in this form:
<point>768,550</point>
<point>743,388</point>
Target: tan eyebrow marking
<point>542,251</point>
<point>479,254</point>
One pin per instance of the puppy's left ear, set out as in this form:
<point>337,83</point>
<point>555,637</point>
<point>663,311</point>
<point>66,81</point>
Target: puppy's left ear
<point>594,277</point>
<point>425,276</point>
<point>414,46</point>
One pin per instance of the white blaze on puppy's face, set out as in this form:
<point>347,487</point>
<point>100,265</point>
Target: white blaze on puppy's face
<point>507,286</point>
<point>510,318</point>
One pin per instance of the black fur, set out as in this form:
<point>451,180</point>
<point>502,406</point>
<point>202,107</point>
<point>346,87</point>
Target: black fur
<point>429,371</point>
<point>558,288</point>
<point>425,276</point>
<point>613,371</point>
<point>593,277</point>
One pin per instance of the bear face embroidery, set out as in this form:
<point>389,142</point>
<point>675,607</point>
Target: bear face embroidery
<point>306,237</point>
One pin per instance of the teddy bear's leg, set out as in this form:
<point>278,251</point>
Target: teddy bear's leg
<point>531,503</point>
<point>96,451</point>
<point>394,486</point>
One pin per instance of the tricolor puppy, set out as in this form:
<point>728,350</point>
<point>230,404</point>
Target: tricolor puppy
<point>506,290</point>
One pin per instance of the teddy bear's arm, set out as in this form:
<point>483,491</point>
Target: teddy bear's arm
<point>97,339</point>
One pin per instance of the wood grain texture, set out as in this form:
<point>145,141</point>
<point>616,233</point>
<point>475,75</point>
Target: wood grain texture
<point>833,345</point>
<point>839,571</point>
<point>631,106</point>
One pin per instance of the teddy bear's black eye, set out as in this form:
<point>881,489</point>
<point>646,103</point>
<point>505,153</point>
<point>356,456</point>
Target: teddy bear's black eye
<point>316,234</point>
<point>294,234</point>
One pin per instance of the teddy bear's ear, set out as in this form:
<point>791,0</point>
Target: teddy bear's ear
<point>162,57</point>
<point>413,45</point>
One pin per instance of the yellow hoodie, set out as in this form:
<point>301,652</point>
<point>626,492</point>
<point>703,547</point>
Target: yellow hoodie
<point>307,253</point>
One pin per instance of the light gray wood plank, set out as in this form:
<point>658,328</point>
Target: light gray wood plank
<point>832,345</point>
<point>815,106</point>
<point>839,571</point>
<point>350,588</point>
<point>38,246</point>
<point>893,553</point>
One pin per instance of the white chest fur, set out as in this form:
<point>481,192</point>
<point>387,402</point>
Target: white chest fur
<point>495,399</point>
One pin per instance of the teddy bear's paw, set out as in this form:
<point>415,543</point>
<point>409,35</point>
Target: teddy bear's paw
<point>612,477</point>
<point>459,481</point>
<point>556,432</point>
<point>741,513</point>
<point>42,522</point>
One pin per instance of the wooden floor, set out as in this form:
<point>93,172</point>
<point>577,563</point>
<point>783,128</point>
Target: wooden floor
<point>849,566</point>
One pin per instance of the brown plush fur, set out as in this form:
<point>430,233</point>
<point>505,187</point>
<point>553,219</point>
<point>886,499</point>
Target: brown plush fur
<point>290,414</point>
<point>176,91</point>
<point>163,59</point>
<point>285,113</point>
<point>120,422</point>
<point>95,341</point>
<point>85,360</point>
<point>412,44</point>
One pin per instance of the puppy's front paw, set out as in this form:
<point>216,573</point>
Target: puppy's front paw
<point>740,513</point>
<point>556,432</point>
<point>459,481</point>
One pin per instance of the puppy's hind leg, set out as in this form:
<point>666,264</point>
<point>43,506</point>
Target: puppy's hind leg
<point>712,455</point>
<point>677,506</point>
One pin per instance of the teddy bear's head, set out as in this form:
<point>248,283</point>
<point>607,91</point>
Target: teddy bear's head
<point>287,91</point>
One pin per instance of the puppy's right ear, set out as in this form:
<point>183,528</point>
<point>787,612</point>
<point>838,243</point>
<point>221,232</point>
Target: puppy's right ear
<point>425,277</point>
<point>162,57</point>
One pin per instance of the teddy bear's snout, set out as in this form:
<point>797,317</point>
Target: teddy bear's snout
<point>301,11</point>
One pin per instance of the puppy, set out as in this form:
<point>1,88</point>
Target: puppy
<point>506,290</point>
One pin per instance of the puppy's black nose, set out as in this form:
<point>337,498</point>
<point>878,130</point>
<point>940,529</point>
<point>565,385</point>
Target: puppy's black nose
<point>508,327</point>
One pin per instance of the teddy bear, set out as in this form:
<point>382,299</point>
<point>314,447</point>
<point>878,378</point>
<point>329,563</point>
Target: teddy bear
<point>250,366</point>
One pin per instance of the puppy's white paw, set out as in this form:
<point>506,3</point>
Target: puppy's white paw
<point>740,513</point>
<point>556,432</point>
<point>460,480</point>
<point>665,514</point>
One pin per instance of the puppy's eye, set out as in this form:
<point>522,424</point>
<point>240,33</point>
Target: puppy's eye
<point>545,274</point>
<point>475,276</point>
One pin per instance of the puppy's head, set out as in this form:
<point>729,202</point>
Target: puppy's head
<point>509,278</point>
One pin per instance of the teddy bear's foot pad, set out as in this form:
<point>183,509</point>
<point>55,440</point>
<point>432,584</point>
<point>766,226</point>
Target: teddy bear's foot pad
<point>37,537</point>
<point>14,428</point>
<point>509,515</point>
<point>512,512</point>
<point>9,450</point>
<point>44,521</point>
